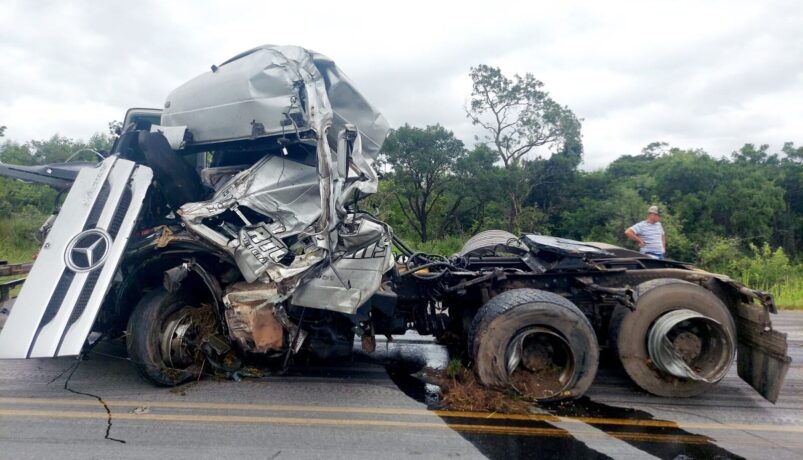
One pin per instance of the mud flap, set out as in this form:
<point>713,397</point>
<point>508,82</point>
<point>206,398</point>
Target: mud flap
<point>762,361</point>
<point>59,301</point>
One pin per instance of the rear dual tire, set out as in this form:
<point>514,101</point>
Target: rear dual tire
<point>536,343</point>
<point>630,334</point>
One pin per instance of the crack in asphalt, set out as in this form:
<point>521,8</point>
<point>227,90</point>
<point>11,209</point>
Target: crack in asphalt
<point>72,370</point>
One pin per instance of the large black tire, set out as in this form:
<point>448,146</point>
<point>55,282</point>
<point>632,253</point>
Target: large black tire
<point>629,331</point>
<point>620,312</point>
<point>512,313</point>
<point>146,327</point>
<point>491,242</point>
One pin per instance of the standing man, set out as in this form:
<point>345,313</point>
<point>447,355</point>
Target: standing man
<point>649,234</point>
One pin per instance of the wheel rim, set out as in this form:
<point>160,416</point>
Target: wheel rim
<point>540,363</point>
<point>178,339</point>
<point>690,345</point>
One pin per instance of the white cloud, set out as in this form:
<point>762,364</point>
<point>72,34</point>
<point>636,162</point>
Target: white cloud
<point>712,75</point>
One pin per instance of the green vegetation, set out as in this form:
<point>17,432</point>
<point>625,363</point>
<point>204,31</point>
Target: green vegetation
<point>789,295</point>
<point>24,207</point>
<point>17,237</point>
<point>760,268</point>
<point>18,242</point>
<point>455,368</point>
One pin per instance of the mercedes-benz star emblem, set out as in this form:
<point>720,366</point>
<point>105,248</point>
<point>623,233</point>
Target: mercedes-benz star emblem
<point>88,250</point>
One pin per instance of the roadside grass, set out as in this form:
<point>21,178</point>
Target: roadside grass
<point>789,293</point>
<point>446,246</point>
<point>14,292</point>
<point>784,281</point>
<point>758,267</point>
<point>18,243</point>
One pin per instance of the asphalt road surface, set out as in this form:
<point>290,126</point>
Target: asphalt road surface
<point>373,408</point>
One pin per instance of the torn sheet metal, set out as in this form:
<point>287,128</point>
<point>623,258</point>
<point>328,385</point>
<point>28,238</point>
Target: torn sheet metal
<point>357,164</point>
<point>259,247</point>
<point>255,320</point>
<point>270,90</point>
<point>262,93</point>
<point>356,274</point>
<point>289,91</point>
<point>282,189</point>
<point>249,317</point>
<point>216,177</point>
<point>287,193</point>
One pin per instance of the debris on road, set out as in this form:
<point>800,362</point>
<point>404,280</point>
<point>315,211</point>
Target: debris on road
<point>141,410</point>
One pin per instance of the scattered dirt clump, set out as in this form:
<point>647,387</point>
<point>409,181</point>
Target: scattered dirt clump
<point>181,390</point>
<point>461,391</point>
<point>541,384</point>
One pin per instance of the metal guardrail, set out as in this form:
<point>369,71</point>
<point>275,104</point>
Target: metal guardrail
<point>6,287</point>
<point>7,269</point>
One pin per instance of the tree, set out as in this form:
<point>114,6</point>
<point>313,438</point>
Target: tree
<point>754,156</point>
<point>790,177</point>
<point>518,115</point>
<point>57,149</point>
<point>478,181</point>
<point>655,149</point>
<point>2,131</point>
<point>422,161</point>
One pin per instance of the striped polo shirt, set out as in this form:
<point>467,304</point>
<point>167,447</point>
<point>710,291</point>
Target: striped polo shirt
<point>652,235</point>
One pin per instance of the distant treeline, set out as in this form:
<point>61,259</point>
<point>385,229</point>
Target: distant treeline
<point>753,196</point>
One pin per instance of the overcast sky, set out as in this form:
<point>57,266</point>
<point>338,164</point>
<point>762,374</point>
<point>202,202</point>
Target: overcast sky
<point>710,75</point>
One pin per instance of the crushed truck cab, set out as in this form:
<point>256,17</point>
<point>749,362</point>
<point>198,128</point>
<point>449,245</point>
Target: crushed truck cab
<point>227,225</point>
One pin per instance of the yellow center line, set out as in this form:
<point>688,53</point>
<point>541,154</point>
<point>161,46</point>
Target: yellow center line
<point>311,422</point>
<point>406,412</point>
<point>365,423</point>
<point>219,406</point>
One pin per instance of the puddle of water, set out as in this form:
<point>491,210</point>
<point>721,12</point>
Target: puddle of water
<point>402,373</point>
<point>507,447</point>
<point>585,407</point>
<point>560,444</point>
<point>403,361</point>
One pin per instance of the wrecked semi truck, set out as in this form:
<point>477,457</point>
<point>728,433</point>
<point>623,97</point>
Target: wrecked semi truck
<point>227,226</point>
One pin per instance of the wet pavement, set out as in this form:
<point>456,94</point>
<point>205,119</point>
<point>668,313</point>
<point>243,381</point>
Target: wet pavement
<point>373,407</point>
